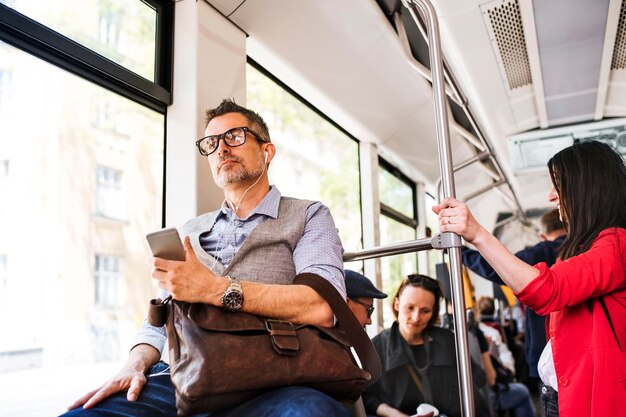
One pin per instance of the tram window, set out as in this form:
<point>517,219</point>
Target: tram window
<point>108,282</point>
<point>120,30</point>
<point>63,337</point>
<point>4,183</point>
<point>110,200</point>
<point>432,222</point>
<point>5,86</point>
<point>398,223</point>
<point>395,268</point>
<point>318,160</point>
<point>3,277</point>
<point>396,193</point>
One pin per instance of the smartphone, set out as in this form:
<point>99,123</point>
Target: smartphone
<point>166,244</point>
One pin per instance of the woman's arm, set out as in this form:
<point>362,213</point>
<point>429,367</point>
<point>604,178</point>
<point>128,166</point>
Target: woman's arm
<point>454,216</point>
<point>598,271</point>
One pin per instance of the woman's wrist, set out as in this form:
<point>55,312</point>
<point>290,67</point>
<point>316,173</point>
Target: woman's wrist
<point>480,237</point>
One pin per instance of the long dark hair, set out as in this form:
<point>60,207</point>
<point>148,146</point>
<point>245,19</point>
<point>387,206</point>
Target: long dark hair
<point>425,282</point>
<point>590,179</point>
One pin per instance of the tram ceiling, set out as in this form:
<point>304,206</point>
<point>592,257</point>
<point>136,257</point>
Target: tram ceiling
<point>520,65</point>
<point>555,69</point>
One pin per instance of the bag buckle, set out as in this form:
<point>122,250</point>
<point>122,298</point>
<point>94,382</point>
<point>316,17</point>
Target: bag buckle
<point>283,336</point>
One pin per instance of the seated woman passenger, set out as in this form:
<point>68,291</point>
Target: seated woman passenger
<point>418,358</point>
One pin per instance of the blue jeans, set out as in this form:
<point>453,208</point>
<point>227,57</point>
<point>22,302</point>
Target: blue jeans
<point>516,398</point>
<point>157,399</point>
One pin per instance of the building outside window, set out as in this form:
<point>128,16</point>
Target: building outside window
<point>4,287</point>
<point>109,28</point>
<point>109,199</point>
<point>4,185</point>
<point>108,285</point>
<point>120,30</point>
<point>76,320</point>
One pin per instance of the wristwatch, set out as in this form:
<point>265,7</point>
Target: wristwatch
<point>232,299</point>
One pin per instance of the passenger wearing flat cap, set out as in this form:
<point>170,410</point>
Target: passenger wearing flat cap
<point>361,293</point>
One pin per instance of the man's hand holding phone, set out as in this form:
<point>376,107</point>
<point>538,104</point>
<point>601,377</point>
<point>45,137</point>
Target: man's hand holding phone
<point>185,277</point>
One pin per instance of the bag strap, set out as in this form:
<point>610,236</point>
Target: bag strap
<point>347,322</point>
<point>422,383</point>
<point>589,304</point>
<point>608,317</point>
<point>415,378</point>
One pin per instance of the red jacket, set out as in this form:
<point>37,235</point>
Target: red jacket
<point>590,368</point>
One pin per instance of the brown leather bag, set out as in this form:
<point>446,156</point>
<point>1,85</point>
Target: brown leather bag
<point>220,359</point>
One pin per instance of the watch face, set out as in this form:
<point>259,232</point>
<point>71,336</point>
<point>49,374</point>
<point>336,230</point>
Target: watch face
<point>232,300</point>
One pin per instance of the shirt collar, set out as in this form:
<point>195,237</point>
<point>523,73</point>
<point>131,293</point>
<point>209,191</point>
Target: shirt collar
<point>267,207</point>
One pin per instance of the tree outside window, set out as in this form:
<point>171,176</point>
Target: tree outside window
<point>316,159</point>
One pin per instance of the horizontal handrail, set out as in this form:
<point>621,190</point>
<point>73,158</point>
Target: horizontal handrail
<point>388,250</point>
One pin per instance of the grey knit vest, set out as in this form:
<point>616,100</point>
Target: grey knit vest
<point>266,256</point>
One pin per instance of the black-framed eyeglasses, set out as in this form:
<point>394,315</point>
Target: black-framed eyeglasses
<point>368,308</point>
<point>233,138</point>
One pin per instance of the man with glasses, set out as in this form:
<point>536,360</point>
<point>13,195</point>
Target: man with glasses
<point>242,257</point>
<point>361,293</point>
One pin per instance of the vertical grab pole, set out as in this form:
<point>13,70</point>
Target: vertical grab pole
<point>447,174</point>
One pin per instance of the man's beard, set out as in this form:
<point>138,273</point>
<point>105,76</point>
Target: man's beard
<point>238,174</point>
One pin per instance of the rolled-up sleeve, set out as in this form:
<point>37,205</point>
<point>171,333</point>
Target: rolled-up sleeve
<point>598,271</point>
<point>150,335</point>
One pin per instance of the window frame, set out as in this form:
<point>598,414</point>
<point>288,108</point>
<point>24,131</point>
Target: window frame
<point>390,211</point>
<point>305,102</point>
<point>42,42</point>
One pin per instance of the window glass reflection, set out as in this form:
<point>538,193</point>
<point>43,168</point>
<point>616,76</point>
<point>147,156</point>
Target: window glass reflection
<point>396,193</point>
<point>120,30</point>
<point>77,198</point>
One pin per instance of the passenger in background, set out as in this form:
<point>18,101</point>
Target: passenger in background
<point>361,294</point>
<point>505,393</point>
<point>486,310</point>
<point>584,293</point>
<point>553,236</point>
<point>242,257</point>
<point>418,358</point>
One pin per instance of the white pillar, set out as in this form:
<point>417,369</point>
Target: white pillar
<point>209,65</point>
<point>370,207</point>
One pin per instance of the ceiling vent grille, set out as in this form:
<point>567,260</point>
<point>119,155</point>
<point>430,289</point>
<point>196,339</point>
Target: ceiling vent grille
<point>619,51</point>
<point>530,151</point>
<point>506,23</point>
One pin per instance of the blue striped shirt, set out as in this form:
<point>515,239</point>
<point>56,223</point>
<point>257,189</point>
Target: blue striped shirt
<point>319,251</point>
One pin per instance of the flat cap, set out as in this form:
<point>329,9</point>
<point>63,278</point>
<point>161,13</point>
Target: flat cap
<point>358,286</point>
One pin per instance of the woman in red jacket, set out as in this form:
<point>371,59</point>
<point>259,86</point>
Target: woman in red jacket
<point>584,293</point>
